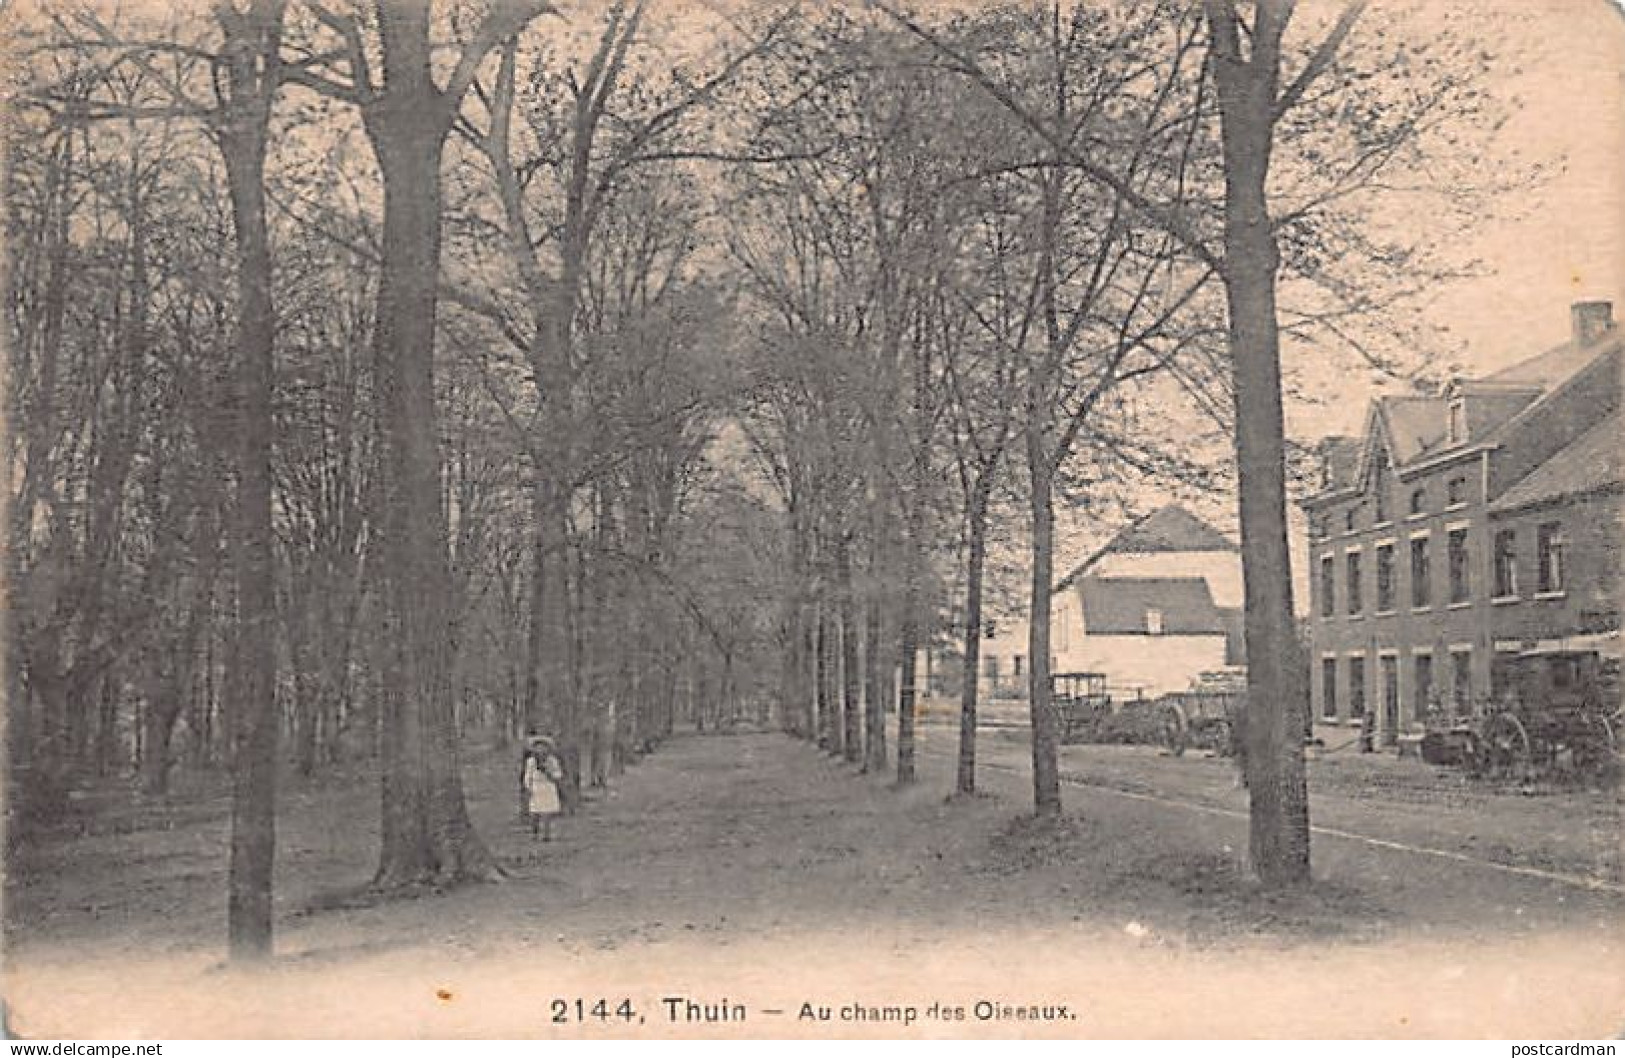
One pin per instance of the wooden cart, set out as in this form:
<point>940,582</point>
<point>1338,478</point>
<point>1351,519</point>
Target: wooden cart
<point>1081,704</point>
<point>1560,711</point>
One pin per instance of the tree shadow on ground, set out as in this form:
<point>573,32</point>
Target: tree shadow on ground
<point>1226,903</point>
<point>1183,897</point>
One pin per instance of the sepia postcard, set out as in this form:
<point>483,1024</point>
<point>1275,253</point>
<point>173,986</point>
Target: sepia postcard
<point>755,519</point>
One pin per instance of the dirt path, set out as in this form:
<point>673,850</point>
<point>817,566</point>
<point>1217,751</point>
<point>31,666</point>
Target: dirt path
<point>752,871</point>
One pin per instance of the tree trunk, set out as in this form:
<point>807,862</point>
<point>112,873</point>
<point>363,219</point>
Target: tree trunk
<point>427,836</point>
<point>975,566</point>
<point>829,726</point>
<point>876,680</point>
<point>907,691</point>
<point>251,47</point>
<point>108,751</point>
<point>794,693</point>
<point>537,710</point>
<point>909,640</point>
<point>1276,680</point>
<point>158,731</point>
<point>807,673</point>
<point>1046,773</point>
<point>852,727</point>
<point>168,693</point>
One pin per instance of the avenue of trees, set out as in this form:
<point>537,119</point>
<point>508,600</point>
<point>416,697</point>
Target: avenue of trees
<point>387,378</point>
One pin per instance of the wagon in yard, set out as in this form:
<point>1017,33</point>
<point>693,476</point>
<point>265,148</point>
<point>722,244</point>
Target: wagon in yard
<point>1207,716</point>
<point>1560,712</point>
<point>1081,704</point>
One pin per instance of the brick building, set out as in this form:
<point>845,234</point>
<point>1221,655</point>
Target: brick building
<point>1464,527</point>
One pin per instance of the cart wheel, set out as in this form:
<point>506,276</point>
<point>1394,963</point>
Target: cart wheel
<point>1613,725</point>
<point>1503,746</point>
<point>1595,739</point>
<point>1598,747</point>
<point>1175,730</point>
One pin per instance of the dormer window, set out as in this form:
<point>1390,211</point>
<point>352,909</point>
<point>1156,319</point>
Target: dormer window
<point>1348,521</point>
<point>1458,420</point>
<point>1456,492</point>
<point>1419,500</point>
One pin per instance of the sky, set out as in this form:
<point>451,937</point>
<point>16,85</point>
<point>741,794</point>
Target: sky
<point>1571,245</point>
<point>1560,243</point>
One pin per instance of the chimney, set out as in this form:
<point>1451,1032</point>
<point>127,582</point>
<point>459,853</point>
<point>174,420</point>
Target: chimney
<point>1591,320</point>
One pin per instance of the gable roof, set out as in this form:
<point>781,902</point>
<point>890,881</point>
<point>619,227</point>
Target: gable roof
<point>1497,402</point>
<point>1340,456</point>
<point>1590,464</point>
<point>1415,424</point>
<point>1166,530</point>
<point>1118,605</point>
<point>1170,528</point>
<point>1555,364</point>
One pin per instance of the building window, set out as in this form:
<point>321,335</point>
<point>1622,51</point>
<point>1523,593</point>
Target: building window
<point>1355,596</point>
<point>1424,684</point>
<point>1016,665</point>
<point>1421,584</point>
<point>1348,520</point>
<point>1328,586</point>
<point>1379,491</point>
<point>1458,421</point>
<point>1419,500</point>
<point>990,630</point>
<point>1456,492</point>
<point>1461,679</point>
<point>1461,582</point>
<point>990,666</point>
<point>1153,622</point>
<point>1549,544</point>
<point>1328,688</point>
<point>1385,578</point>
<point>1506,563</point>
<point>1356,687</point>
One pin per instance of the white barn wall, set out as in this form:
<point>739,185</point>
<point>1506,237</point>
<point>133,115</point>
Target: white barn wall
<point>1155,665</point>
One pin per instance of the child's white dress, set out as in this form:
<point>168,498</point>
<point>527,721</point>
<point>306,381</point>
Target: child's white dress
<point>541,787</point>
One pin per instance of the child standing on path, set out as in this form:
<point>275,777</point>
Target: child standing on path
<point>539,776</point>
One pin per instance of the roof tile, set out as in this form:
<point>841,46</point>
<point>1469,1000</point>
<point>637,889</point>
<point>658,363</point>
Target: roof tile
<point>1119,605</point>
<point>1590,464</point>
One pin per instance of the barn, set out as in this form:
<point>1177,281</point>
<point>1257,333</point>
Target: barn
<point>1154,608</point>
